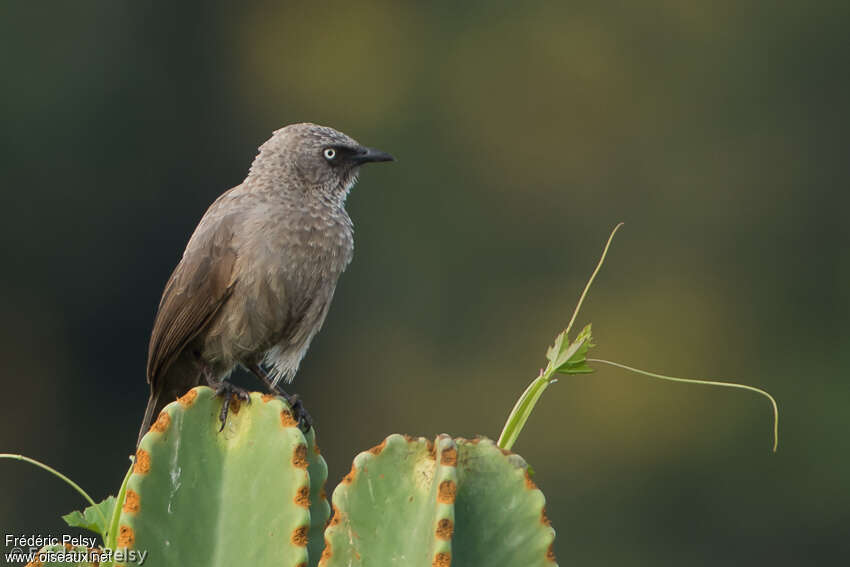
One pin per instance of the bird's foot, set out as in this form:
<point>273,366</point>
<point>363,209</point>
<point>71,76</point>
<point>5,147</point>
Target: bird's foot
<point>230,393</point>
<point>305,421</point>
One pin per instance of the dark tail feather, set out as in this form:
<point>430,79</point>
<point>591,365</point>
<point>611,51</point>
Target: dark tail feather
<point>181,376</point>
<point>150,412</point>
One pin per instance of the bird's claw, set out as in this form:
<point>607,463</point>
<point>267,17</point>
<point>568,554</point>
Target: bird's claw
<point>305,420</point>
<point>230,392</point>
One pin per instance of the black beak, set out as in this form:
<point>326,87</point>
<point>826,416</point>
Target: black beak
<point>366,155</point>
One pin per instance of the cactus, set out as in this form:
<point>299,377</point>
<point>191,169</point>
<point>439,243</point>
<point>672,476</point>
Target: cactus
<point>242,496</point>
<point>320,509</point>
<point>254,493</point>
<point>451,502</point>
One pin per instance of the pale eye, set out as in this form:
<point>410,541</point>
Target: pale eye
<point>329,153</point>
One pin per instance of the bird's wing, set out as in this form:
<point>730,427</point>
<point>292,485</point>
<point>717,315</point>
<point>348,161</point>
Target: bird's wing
<point>201,283</point>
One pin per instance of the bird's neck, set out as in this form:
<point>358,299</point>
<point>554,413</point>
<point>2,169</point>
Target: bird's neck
<point>277,183</point>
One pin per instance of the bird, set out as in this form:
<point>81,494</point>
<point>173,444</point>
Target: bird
<point>258,274</point>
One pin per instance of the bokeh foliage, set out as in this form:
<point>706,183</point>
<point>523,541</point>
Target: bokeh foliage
<point>715,130</point>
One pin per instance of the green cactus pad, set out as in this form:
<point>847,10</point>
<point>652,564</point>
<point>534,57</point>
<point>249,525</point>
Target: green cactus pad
<point>451,502</point>
<point>320,509</point>
<point>500,511</point>
<point>239,497</point>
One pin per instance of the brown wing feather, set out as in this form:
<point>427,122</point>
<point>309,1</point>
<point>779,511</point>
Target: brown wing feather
<point>200,285</point>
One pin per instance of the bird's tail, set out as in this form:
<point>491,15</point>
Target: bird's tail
<point>153,406</point>
<point>180,377</point>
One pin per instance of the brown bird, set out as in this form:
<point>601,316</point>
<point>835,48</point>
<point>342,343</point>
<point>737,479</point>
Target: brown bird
<point>259,272</point>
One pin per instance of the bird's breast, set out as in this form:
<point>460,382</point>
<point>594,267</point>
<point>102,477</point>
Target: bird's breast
<point>292,268</point>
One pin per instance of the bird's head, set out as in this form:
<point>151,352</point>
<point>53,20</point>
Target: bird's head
<point>312,158</point>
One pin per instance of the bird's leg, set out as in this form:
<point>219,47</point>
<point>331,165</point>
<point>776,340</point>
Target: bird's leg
<point>305,421</point>
<point>226,389</point>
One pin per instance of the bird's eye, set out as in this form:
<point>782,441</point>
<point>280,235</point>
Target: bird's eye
<point>329,153</point>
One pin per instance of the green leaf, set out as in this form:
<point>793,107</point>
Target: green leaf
<point>90,519</point>
<point>571,358</point>
<point>562,342</point>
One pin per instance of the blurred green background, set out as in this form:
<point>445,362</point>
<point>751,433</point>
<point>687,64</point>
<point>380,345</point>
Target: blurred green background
<point>524,131</point>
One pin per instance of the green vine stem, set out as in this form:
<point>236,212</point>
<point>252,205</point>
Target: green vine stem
<point>525,405</point>
<point>570,358</point>
<point>707,383</point>
<point>61,476</point>
<point>592,277</point>
<point>112,541</point>
<point>522,410</point>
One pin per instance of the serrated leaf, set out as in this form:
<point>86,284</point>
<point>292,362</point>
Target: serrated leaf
<point>571,358</point>
<point>561,342</point>
<point>580,369</point>
<point>90,519</point>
